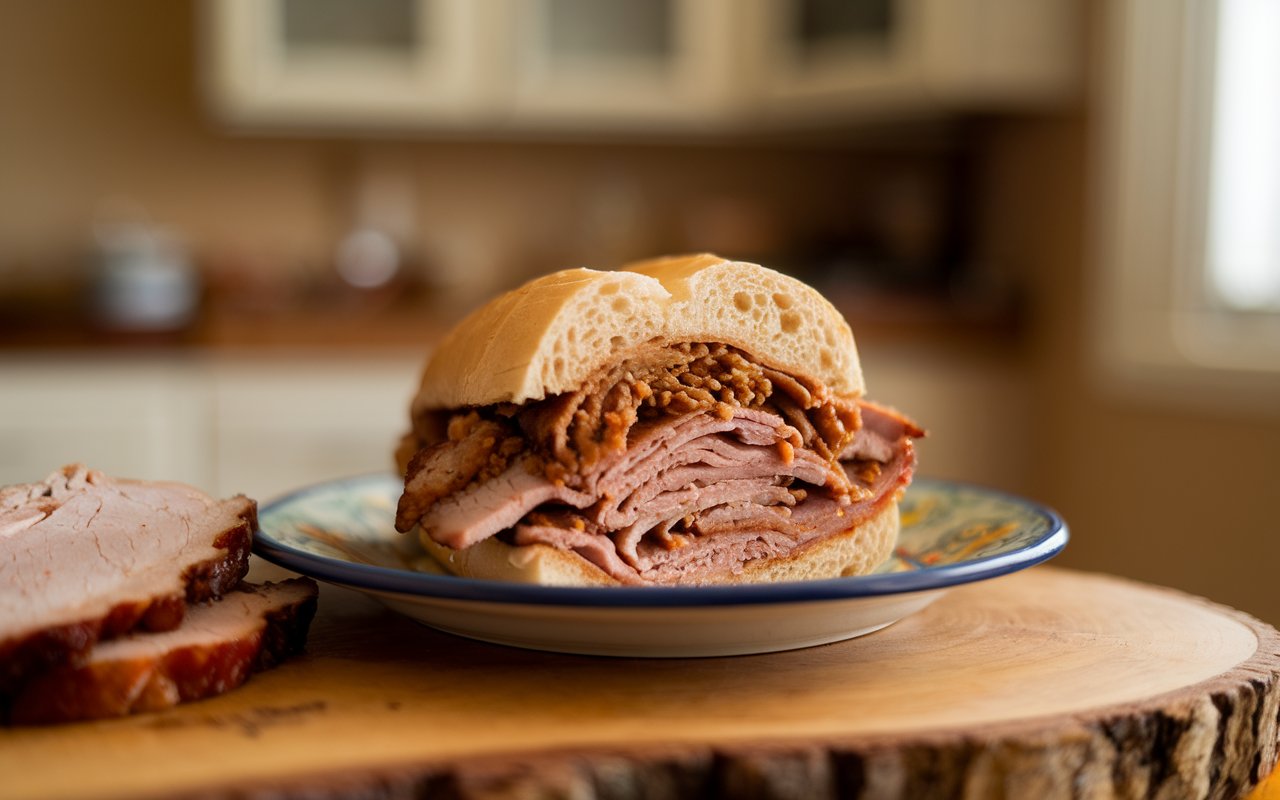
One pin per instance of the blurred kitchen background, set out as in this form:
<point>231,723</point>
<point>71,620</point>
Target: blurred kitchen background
<point>230,231</point>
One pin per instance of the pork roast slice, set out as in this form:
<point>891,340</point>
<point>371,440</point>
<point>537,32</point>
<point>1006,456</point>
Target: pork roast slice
<point>85,557</point>
<point>214,650</point>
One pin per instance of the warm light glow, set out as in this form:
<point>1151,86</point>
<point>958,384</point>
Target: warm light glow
<point>1244,207</point>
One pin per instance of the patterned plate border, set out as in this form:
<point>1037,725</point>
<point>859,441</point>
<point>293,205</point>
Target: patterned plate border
<point>986,548</point>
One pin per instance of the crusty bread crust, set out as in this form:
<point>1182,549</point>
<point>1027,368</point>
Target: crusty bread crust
<point>549,335</point>
<point>857,551</point>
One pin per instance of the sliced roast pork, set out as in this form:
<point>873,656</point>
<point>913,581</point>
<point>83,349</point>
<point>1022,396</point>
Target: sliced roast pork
<point>217,647</point>
<point>678,465</point>
<point>85,557</point>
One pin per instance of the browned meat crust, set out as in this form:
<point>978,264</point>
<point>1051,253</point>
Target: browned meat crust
<point>475,449</point>
<point>251,629</point>
<point>30,647</point>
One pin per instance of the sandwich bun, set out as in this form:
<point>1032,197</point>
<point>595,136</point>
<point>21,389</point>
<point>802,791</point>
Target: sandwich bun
<point>553,334</point>
<point>549,335</point>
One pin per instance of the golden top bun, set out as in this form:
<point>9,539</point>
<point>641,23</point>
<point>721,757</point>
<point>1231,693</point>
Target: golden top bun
<point>548,336</point>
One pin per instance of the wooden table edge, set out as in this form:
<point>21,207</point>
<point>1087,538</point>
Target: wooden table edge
<point>1240,707</point>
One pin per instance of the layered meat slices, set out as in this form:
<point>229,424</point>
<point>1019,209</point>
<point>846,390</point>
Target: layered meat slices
<point>678,465</point>
<point>85,558</point>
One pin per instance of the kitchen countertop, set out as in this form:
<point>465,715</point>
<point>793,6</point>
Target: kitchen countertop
<point>354,324</point>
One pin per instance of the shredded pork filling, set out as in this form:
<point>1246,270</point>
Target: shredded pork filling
<point>681,459</point>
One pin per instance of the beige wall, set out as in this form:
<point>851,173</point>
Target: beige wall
<point>1154,491</point>
<point>98,100</point>
<point>101,102</point>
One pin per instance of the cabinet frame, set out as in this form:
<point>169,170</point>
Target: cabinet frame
<point>250,78</point>
<point>730,69</point>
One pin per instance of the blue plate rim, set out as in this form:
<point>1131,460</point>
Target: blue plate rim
<point>370,577</point>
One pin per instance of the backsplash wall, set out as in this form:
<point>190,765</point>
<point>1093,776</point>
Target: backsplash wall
<point>116,127</point>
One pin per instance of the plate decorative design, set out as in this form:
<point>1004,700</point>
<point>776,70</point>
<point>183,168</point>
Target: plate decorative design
<point>341,532</point>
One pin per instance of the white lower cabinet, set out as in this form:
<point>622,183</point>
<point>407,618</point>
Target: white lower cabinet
<point>266,425</point>
<point>976,409</point>
<point>259,426</point>
<point>146,418</point>
<point>282,426</point>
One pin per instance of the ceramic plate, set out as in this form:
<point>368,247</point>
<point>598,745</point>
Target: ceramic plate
<point>341,533</point>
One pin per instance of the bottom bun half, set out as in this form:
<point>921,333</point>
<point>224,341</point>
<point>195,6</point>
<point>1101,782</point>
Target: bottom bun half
<point>857,551</point>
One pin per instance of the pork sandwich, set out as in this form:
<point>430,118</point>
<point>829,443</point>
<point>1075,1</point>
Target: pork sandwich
<point>683,421</point>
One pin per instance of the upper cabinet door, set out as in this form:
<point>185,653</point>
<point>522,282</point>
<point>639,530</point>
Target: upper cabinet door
<point>824,58</point>
<point>632,62</point>
<point>581,66</point>
<point>348,62</point>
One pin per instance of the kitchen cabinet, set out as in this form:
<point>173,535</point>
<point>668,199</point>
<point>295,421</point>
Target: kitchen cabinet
<point>279,425</point>
<point>820,59</point>
<point>975,406</point>
<point>145,418</point>
<point>264,424</point>
<point>253,425</point>
<point>578,66</point>
<point>339,62</point>
<point>632,63</point>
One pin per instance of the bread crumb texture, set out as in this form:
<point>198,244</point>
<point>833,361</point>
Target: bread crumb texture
<point>548,336</point>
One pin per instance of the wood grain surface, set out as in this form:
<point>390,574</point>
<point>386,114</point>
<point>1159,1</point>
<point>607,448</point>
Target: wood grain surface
<point>1048,683</point>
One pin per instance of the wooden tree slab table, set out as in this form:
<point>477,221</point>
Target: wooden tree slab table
<point>1047,683</point>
